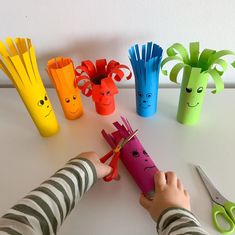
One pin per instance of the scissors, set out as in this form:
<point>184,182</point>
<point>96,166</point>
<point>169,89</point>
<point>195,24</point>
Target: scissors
<point>221,207</point>
<point>115,153</point>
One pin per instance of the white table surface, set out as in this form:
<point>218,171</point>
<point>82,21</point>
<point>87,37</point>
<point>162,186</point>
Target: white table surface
<point>27,159</point>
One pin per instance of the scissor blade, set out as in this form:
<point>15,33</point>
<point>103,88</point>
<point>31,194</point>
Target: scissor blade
<point>129,137</point>
<point>215,195</point>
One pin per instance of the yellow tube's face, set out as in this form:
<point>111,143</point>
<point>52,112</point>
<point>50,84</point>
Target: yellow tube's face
<point>40,109</point>
<point>71,103</point>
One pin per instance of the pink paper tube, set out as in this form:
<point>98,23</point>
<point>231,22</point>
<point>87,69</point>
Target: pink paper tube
<point>134,157</point>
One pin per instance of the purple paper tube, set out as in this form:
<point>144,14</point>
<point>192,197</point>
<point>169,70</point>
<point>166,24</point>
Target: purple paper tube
<point>134,157</point>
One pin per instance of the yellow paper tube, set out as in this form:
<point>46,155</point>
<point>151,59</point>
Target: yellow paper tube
<point>19,63</point>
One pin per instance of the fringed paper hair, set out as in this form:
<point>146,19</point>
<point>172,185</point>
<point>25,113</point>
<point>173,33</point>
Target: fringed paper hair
<point>19,63</point>
<point>146,70</point>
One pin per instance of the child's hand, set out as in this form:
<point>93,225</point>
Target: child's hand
<point>169,193</point>
<point>102,169</point>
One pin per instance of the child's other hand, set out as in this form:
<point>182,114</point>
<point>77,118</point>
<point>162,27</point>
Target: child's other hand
<point>169,193</point>
<point>102,169</point>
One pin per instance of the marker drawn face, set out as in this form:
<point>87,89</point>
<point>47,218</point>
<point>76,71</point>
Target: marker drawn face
<point>45,106</point>
<point>103,93</point>
<point>195,101</point>
<point>145,99</point>
<point>194,97</point>
<point>37,101</point>
<point>71,103</point>
<point>136,158</point>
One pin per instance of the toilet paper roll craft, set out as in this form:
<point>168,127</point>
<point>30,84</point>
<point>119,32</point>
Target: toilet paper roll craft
<point>197,67</point>
<point>115,154</point>
<point>146,66</point>
<point>62,75</point>
<point>98,81</point>
<point>134,156</point>
<point>18,61</point>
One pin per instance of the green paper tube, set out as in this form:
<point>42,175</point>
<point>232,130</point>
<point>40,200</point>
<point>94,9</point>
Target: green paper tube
<point>192,94</point>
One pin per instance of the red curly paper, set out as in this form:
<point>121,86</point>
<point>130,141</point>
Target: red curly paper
<point>98,81</point>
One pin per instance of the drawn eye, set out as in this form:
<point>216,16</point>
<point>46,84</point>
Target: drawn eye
<point>135,153</point>
<point>108,93</point>
<point>67,100</point>
<point>74,97</point>
<point>189,90</point>
<point>149,95</point>
<point>45,98</point>
<point>145,153</point>
<point>102,93</point>
<point>41,102</point>
<point>200,89</point>
<point>140,94</point>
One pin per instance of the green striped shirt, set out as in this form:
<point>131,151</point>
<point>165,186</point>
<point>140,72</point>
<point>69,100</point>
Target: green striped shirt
<point>44,209</point>
<point>178,221</point>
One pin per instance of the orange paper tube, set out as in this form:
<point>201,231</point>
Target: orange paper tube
<point>62,75</point>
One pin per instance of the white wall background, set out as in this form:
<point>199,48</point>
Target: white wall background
<point>107,28</point>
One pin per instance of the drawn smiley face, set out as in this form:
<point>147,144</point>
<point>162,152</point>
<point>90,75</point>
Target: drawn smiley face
<point>41,111</point>
<point>71,103</point>
<point>145,99</point>
<point>45,105</point>
<point>195,93</point>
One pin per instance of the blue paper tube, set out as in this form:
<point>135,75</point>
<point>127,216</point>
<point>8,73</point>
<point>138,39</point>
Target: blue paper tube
<point>146,67</point>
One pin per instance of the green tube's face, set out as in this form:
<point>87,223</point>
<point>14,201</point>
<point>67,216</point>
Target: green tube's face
<point>191,97</point>
<point>194,96</point>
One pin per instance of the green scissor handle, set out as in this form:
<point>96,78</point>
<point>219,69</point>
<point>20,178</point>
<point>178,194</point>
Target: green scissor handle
<point>227,213</point>
<point>230,208</point>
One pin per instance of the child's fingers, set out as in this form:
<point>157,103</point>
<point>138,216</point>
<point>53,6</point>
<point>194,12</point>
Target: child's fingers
<point>171,178</point>
<point>179,185</point>
<point>145,202</point>
<point>159,179</point>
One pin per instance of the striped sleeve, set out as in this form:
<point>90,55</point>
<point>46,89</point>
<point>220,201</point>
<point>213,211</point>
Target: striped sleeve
<point>43,210</point>
<point>178,221</point>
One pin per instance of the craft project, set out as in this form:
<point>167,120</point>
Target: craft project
<point>146,70</point>
<point>98,81</point>
<point>20,65</point>
<point>134,157</point>
<point>62,75</point>
<point>197,70</point>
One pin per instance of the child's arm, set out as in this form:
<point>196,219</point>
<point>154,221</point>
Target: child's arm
<point>170,207</point>
<point>45,208</point>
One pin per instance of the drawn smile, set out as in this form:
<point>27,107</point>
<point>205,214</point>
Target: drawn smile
<point>106,104</point>
<point>192,106</point>
<point>148,167</point>
<point>74,111</point>
<point>145,107</point>
<point>48,113</point>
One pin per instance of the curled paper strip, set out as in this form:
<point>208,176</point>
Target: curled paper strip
<point>98,81</point>
<point>62,75</point>
<point>146,70</point>
<point>19,63</point>
<point>198,67</point>
<point>134,157</point>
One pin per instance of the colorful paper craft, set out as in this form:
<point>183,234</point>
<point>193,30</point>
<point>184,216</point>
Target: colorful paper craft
<point>98,81</point>
<point>62,75</point>
<point>134,157</point>
<point>19,63</point>
<point>197,70</point>
<point>146,70</point>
